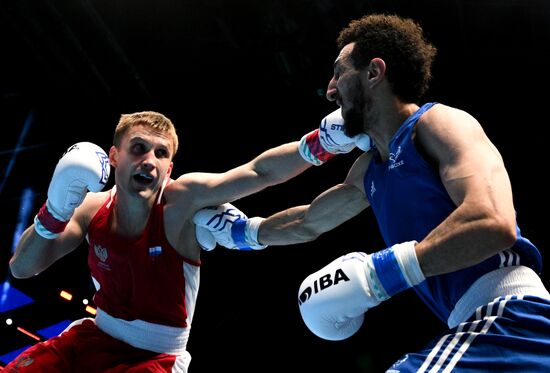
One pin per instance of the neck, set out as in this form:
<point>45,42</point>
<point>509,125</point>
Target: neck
<point>386,122</point>
<point>130,214</point>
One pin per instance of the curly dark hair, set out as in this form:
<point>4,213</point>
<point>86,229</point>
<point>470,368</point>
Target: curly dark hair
<point>400,43</point>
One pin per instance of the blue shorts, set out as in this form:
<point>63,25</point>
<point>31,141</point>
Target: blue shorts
<point>510,334</point>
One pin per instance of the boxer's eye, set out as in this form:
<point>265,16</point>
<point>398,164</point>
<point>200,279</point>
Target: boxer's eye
<point>138,149</point>
<point>161,153</point>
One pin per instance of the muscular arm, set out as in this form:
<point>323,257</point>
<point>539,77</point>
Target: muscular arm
<point>475,177</point>
<point>61,223</point>
<point>272,167</point>
<point>327,211</point>
<point>35,253</point>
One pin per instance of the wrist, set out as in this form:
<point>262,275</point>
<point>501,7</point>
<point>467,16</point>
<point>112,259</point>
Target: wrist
<point>47,223</point>
<point>251,231</point>
<point>396,269</point>
<point>405,254</point>
<point>312,150</point>
<point>245,233</point>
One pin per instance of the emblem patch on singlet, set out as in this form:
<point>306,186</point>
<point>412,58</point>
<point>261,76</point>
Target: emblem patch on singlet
<point>394,163</point>
<point>102,254</point>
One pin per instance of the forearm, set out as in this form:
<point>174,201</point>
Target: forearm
<point>286,228</point>
<point>314,148</point>
<point>280,164</point>
<point>307,222</point>
<point>232,229</point>
<point>463,240</point>
<point>33,254</point>
<point>229,227</point>
<point>272,167</point>
<point>83,167</point>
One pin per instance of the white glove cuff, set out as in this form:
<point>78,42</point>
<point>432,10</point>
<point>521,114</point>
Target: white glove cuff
<point>42,231</point>
<point>251,232</point>
<point>405,254</point>
<point>47,223</point>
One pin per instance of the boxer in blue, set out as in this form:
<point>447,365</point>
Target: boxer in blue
<point>443,202</point>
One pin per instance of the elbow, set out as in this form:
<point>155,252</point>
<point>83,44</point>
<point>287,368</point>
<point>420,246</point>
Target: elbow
<point>18,271</point>
<point>496,226</point>
<point>504,231</point>
<point>509,236</point>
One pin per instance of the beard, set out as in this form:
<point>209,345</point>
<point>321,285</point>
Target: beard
<point>353,121</point>
<point>354,116</point>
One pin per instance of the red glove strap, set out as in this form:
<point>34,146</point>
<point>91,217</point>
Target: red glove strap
<point>315,147</point>
<point>49,221</point>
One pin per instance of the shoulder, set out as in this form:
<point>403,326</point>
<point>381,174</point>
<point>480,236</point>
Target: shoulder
<point>94,200</point>
<point>443,117</point>
<point>445,132</point>
<point>446,124</point>
<point>90,206</point>
<point>195,189</point>
<point>183,196</point>
<point>185,188</point>
<point>191,182</point>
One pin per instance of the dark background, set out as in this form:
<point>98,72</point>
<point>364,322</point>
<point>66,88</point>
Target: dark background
<point>238,77</point>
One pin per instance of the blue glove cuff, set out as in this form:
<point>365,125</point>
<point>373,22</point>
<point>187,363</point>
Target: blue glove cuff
<point>388,271</point>
<point>238,234</point>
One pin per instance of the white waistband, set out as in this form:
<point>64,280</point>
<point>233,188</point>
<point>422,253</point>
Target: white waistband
<point>143,334</point>
<point>516,280</point>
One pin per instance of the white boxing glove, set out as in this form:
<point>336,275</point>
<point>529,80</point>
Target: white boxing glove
<point>83,167</point>
<point>325,142</point>
<point>363,142</point>
<point>228,226</point>
<point>205,238</point>
<point>333,300</point>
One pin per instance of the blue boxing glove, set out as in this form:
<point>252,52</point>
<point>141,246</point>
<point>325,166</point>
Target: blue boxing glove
<point>227,226</point>
<point>333,300</point>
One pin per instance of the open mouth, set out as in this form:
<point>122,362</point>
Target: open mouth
<point>143,179</point>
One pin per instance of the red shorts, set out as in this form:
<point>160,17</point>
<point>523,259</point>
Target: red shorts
<point>85,348</point>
